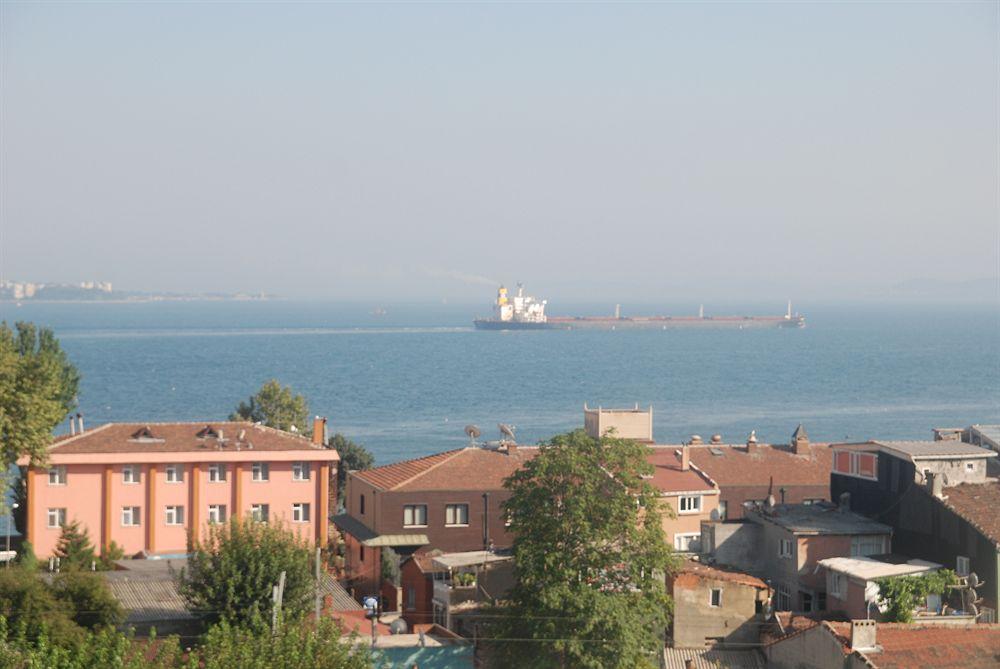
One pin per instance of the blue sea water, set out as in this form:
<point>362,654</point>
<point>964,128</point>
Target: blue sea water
<point>406,383</point>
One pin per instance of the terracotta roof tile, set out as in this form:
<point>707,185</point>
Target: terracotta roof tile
<point>669,477</point>
<point>716,573</point>
<point>906,646</point>
<point>978,504</point>
<point>731,465</point>
<point>462,469</point>
<point>178,437</point>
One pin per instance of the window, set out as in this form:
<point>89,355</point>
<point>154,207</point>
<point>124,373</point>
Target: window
<point>806,600</point>
<point>260,471</point>
<point>456,514</point>
<point>690,504</point>
<point>836,585</point>
<point>300,471</point>
<point>361,553</point>
<point>57,517</point>
<point>782,599</point>
<point>863,546</point>
<point>175,515</point>
<point>57,475</point>
<point>785,548</point>
<point>970,466</point>
<point>813,500</point>
<point>715,597</point>
<point>260,512</point>
<point>821,601</point>
<point>130,474</point>
<point>217,473</point>
<point>216,514</point>
<point>856,463</point>
<point>415,515</point>
<point>411,598</point>
<point>362,505</point>
<point>962,566</point>
<point>687,542</point>
<point>300,513</point>
<point>130,516</point>
<point>175,473</point>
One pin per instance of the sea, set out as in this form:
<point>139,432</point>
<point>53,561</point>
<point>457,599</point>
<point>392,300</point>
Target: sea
<point>406,382</point>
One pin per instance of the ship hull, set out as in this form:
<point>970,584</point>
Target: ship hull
<point>644,323</point>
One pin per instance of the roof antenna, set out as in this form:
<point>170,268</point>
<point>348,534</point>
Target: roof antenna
<point>507,431</point>
<point>473,433</point>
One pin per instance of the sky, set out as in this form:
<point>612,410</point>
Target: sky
<point>756,151</point>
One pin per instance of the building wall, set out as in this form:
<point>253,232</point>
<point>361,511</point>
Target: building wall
<point>422,586</point>
<point>954,471</point>
<point>676,522</point>
<point>735,544</point>
<point>697,624</point>
<point>814,648</point>
<point>627,424</point>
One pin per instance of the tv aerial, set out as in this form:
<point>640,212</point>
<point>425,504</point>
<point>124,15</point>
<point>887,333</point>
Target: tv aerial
<point>473,433</point>
<point>507,430</point>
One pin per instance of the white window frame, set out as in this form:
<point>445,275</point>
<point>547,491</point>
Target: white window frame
<point>679,538</point>
<point>963,565</point>
<point>855,465</point>
<point>217,514</point>
<point>301,512</point>
<point>217,473</point>
<point>60,475</point>
<point>260,472</point>
<point>412,510</point>
<point>131,475</point>
<point>131,516</point>
<point>174,515</point>
<point>711,596</point>
<point>452,515</point>
<point>175,473</point>
<point>687,501</point>
<point>786,548</point>
<point>838,585</point>
<point>59,513</point>
<point>260,512</point>
<point>301,471</point>
<point>863,545</point>
<point>970,466</point>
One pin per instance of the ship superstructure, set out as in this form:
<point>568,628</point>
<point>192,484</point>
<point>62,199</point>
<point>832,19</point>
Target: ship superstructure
<point>520,308</point>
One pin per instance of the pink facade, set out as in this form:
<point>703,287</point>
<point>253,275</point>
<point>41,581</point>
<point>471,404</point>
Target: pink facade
<point>147,495</point>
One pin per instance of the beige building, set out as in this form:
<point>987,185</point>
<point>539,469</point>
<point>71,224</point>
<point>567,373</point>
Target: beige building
<point>715,607</point>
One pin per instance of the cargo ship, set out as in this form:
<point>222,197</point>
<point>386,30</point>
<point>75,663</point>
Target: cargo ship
<point>524,312</point>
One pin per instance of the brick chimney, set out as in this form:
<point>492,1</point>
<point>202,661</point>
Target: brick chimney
<point>800,441</point>
<point>752,443</point>
<point>863,634</point>
<point>685,458</point>
<point>319,431</point>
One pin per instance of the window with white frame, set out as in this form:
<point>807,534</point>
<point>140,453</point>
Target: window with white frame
<point>836,585</point>
<point>300,512</point>
<point>785,548</point>
<point>865,545</point>
<point>970,466</point>
<point>962,566</point>
<point>260,512</point>
<point>175,473</point>
<point>715,597</point>
<point>415,515</point>
<point>216,514</point>
<point>175,515</point>
<point>686,542</point>
<point>131,516</point>
<point>57,475</point>
<point>456,514</point>
<point>690,504</point>
<point>782,599</point>
<point>260,471</point>
<point>56,518</point>
<point>856,463</point>
<point>300,471</point>
<point>217,473</point>
<point>130,474</point>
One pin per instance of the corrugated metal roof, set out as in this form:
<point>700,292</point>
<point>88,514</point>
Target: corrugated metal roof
<point>147,600</point>
<point>341,600</point>
<point>932,449</point>
<point>676,658</point>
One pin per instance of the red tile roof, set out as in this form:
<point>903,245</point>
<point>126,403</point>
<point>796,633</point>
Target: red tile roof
<point>906,646</point>
<point>699,570</point>
<point>733,466</point>
<point>468,468</point>
<point>178,437</point>
<point>978,504</point>
<point>669,477</point>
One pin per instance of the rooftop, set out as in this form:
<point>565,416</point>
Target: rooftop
<point>732,465</point>
<point>904,646</point>
<point>467,559</point>
<point>869,569</point>
<point>978,504</point>
<point>470,468</point>
<point>669,477</point>
<point>923,450</point>
<point>676,658</point>
<point>820,518</point>
<point>716,573</point>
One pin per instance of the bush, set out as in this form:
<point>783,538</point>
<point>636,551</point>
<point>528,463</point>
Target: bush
<point>90,598</point>
<point>31,609</point>
<point>26,557</point>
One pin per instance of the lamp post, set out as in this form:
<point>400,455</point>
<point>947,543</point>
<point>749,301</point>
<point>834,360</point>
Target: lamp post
<point>10,519</point>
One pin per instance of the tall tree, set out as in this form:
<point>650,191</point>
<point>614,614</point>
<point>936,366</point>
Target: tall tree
<point>276,406</point>
<point>353,457</point>
<point>229,576</point>
<point>74,548</point>
<point>38,387</point>
<point>590,558</point>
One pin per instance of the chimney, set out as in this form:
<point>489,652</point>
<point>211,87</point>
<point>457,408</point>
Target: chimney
<point>800,441</point>
<point>511,448</point>
<point>72,425</point>
<point>695,439</point>
<point>844,502</point>
<point>319,431</point>
<point>79,417</point>
<point>752,442</point>
<point>863,634</point>
<point>716,438</point>
<point>935,483</point>
<point>685,458</point>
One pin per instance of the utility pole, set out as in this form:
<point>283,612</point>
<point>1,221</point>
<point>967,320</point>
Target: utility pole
<point>277,593</point>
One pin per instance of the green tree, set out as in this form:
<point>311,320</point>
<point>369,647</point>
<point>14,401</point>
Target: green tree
<point>275,406</point>
<point>74,549</point>
<point>38,388</point>
<point>353,457</point>
<point>91,600</point>
<point>590,558</point>
<point>900,595</point>
<point>305,644</point>
<point>29,605</point>
<point>230,575</point>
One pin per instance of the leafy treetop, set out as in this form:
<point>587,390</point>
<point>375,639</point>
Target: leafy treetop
<point>353,457</point>
<point>900,595</point>
<point>276,406</point>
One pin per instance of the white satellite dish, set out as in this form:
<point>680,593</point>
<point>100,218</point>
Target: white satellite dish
<point>473,433</point>
<point>507,430</point>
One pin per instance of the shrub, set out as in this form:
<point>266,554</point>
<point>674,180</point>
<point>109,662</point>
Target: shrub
<point>90,598</point>
<point>74,548</point>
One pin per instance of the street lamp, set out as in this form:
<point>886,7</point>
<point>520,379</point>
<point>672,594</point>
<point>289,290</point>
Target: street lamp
<point>10,519</point>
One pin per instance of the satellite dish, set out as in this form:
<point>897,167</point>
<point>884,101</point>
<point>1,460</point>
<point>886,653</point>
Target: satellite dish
<point>398,626</point>
<point>506,430</point>
<point>472,432</point>
<point>973,580</point>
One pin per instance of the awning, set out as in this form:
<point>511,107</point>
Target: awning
<point>361,532</point>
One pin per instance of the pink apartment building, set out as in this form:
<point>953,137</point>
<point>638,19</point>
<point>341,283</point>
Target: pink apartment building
<point>144,486</point>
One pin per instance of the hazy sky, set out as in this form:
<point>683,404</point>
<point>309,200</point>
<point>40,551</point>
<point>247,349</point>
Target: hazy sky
<point>592,151</point>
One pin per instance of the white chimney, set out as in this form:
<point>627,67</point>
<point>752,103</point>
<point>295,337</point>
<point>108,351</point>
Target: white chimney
<point>863,634</point>
<point>79,417</point>
<point>72,425</point>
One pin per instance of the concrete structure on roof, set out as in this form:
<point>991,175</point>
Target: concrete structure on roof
<point>954,462</point>
<point>715,607</point>
<point>866,644</point>
<point>144,486</point>
<point>634,423</point>
<point>851,582</point>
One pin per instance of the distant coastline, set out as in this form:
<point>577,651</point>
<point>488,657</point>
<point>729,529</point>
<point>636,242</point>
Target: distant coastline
<point>141,299</point>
